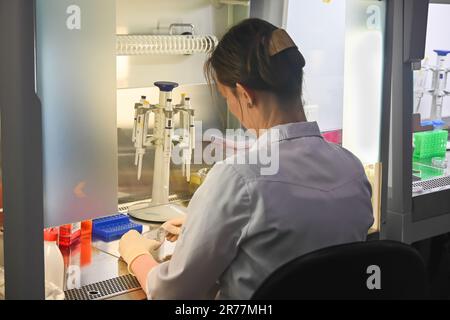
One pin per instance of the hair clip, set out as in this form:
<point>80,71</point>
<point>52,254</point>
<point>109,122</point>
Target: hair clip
<point>280,41</point>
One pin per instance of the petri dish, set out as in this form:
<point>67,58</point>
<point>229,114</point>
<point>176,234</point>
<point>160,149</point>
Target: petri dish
<point>165,251</point>
<point>159,235</point>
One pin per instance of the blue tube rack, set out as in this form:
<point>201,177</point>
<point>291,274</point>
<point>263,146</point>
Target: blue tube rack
<point>113,228</point>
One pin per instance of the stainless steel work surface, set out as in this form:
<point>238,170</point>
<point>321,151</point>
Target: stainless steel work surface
<point>92,265</point>
<point>87,265</point>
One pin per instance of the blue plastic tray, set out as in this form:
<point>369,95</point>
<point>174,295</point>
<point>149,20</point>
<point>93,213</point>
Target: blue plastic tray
<point>118,218</point>
<point>112,228</point>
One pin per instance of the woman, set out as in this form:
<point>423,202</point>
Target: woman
<point>242,224</point>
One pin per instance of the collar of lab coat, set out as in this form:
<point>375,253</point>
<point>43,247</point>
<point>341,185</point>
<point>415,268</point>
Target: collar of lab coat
<point>288,131</point>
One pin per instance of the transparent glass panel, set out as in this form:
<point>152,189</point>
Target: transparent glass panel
<point>343,44</point>
<point>209,110</point>
<point>136,76</point>
<point>76,80</point>
<point>431,113</point>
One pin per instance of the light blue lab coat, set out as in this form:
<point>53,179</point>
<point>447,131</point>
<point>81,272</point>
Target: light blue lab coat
<point>242,225</point>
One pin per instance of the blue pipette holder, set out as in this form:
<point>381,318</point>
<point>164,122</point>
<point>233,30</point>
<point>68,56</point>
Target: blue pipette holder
<point>442,53</point>
<point>166,86</point>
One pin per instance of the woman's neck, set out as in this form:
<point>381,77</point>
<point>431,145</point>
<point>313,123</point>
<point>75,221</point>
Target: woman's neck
<point>281,117</point>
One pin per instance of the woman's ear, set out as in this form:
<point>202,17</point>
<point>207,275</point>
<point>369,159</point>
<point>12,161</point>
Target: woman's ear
<point>247,94</point>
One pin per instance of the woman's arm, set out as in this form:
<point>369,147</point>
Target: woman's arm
<point>218,216</point>
<point>141,267</point>
<point>135,251</point>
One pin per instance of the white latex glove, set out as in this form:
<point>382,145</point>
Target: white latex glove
<point>173,228</point>
<point>133,245</point>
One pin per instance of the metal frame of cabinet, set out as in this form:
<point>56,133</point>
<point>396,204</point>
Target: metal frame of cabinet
<point>22,157</point>
<point>410,219</point>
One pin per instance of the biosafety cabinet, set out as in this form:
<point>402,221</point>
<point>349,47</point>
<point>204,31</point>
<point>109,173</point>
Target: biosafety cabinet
<point>85,85</point>
<point>419,187</point>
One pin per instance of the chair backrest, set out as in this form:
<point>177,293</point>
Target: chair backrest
<point>366,270</point>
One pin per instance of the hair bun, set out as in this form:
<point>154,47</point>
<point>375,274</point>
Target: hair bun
<point>280,42</point>
<point>292,62</point>
<point>257,54</point>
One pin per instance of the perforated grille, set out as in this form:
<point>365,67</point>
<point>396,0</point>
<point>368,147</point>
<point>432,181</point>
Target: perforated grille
<point>123,208</point>
<point>432,185</point>
<point>105,289</point>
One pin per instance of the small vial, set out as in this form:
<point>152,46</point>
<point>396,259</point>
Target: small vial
<point>86,228</point>
<point>69,234</point>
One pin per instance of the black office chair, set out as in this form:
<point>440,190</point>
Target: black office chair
<point>343,272</point>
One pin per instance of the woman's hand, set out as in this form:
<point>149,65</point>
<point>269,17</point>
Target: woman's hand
<point>173,228</point>
<point>133,245</point>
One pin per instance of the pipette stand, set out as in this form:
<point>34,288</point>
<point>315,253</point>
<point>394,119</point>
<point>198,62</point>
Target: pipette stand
<point>159,209</point>
<point>439,85</point>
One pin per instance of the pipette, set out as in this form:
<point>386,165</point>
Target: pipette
<point>140,133</point>
<point>191,137</point>
<point>421,78</point>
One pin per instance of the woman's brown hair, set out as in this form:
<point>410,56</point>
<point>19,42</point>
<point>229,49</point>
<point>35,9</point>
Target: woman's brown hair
<point>243,56</point>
